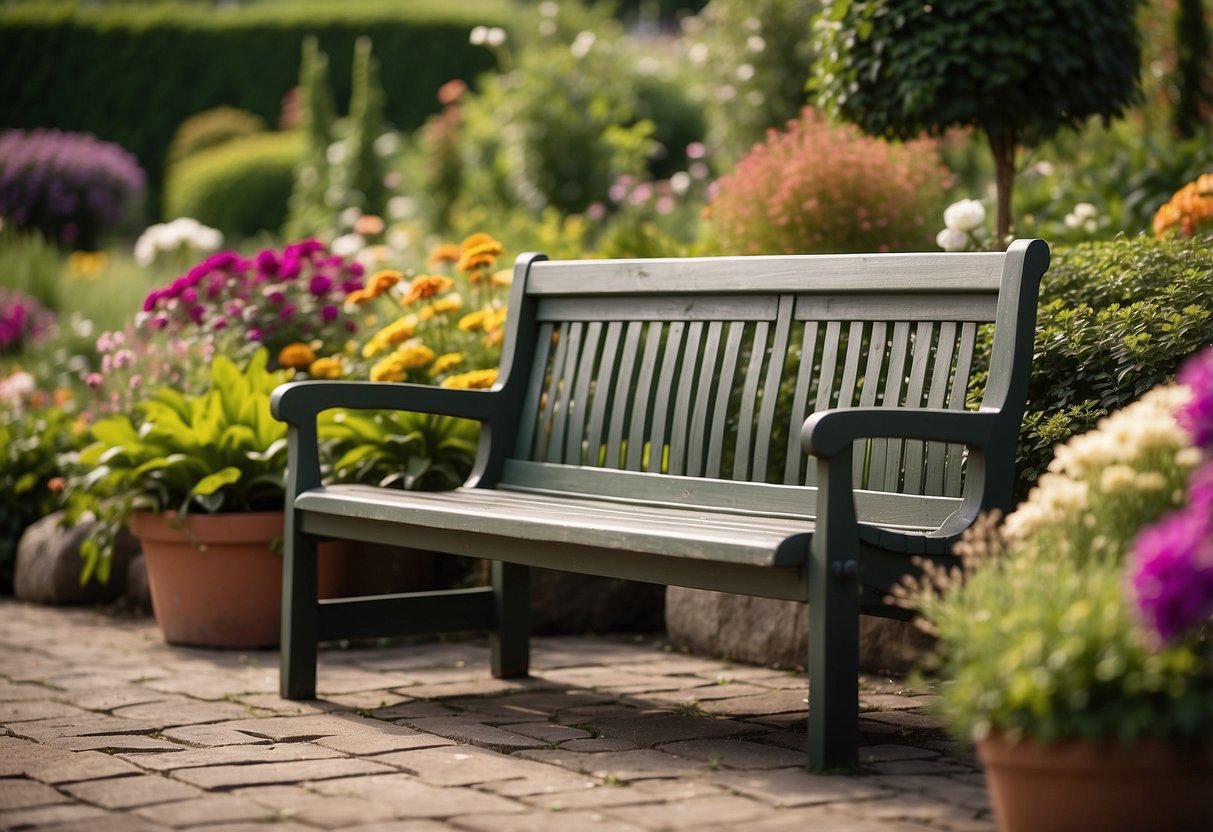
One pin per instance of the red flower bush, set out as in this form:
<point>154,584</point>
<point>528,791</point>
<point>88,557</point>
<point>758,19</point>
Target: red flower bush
<point>819,188</point>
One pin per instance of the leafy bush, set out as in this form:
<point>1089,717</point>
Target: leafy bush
<point>241,187</point>
<point>69,186</point>
<point>212,128</point>
<point>31,263</point>
<point>1115,319</point>
<point>820,188</point>
<point>400,449</point>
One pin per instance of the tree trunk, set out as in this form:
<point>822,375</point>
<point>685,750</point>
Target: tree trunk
<point>1003,147</point>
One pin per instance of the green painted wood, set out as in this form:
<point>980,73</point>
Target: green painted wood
<point>555,370</point>
<point>729,364</point>
<point>909,512</point>
<point>509,638</point>
<point>863,460</point>
<point>937,396</point>
<point>623,394</point>
<point>706,386</point>
<point>912,464</point>
<point>604,391</point>
<point>530,426</point>
<point>594,307</point>
<point>642,396</point>
<point>795,460</point>
<point>924,305</point>
<point>564,377</point>
<point>776,364</point>
<point>881,475</point>
<point>953,475</point>
<point>414,613</point>
<point>749,400</point>
<point>683,392</point>
<point>579,403</point>
<point>666,383</point>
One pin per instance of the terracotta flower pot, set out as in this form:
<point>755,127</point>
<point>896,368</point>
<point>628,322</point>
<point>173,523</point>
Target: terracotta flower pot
<point>1109,786</point>
<point>216,581</point>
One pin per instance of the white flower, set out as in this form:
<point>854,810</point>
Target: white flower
<point>183,233</point>
<point>335,153</point>
<point>745,72</point>
<point>951,239</point>
<point>547,28</point>
<point>479,35</point>
<point>680,182</point>
<point>347,245</point>
<point>387,144</point>
<point>965,215</point>
<point>1086,211</point>
<point>549,8</point>
<point>399,207</point>
<point>698,53</point>
<point>349,216</point>
<point>495,36</point>
<point>582,44</point>
<point>755,43</point>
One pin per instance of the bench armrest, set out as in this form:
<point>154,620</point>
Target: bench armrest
<point>298,402</point>
<point>828,433</point>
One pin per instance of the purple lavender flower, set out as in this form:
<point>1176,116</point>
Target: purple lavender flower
<point>1196,417</point>
<point>1172,570</point>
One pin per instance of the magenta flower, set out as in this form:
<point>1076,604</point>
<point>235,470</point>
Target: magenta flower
<point>320,285</point>
<point>1196,417</point>
<point>329,313</point>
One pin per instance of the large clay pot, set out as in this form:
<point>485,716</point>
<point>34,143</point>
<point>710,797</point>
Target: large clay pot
<point>1106,786</point>
<point>216,580</point>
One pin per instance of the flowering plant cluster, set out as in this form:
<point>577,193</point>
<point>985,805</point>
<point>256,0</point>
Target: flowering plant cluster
<point>963,223</point>
<point>183,239</point>
<point>1085,615</point>
<point>818,188</point>
<point>443,328</point>
<point>70,186</point>
<point>289,301</point>
<point>22,320</point>
<point>1189,211</point>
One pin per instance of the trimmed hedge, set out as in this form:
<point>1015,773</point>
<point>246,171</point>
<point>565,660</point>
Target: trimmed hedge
<point>132,73</point>
<point>240,187</point>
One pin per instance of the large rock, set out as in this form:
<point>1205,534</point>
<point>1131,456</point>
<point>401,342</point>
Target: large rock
<point>565,602</point>
<point>766,631</point>
<point>48,565</point>
<point>138,591</point>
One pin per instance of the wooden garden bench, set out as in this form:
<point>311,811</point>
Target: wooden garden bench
<point>792,427</point>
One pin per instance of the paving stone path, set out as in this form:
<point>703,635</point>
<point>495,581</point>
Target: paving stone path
<point>108,728</point>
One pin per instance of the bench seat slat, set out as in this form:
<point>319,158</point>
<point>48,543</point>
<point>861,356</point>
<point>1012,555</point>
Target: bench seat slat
<point>710,535</point>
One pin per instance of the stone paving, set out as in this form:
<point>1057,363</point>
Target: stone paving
<point>108,728</point>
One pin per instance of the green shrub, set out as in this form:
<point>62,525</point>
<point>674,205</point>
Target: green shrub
<point>241,187</point>
<point>131,73</point>
<point>1115,319</point>
<point>212,128</point>
<point>816,188</point>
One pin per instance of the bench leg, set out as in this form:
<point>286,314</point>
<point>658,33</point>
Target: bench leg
<point>297,669</point>
<point>510,639</point>
<point>833,729</point>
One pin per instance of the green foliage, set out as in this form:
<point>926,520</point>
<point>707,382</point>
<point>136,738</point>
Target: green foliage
<point>30,443</point>
<point>212,128</point>
<point>364,169</point>
<point>1192,42</point>
<point>220,450</point>
<point>241,187</point>
<point>1115,319</point>
<point>131,73</point>
<point>308,209</point>
<point>751,58</point>
<point>558,129</point>
<point>394,449</point>
<point>31,263</point>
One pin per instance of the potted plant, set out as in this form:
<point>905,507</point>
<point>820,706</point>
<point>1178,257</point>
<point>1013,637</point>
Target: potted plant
<point>199,479</point>
<point>1074,647</point>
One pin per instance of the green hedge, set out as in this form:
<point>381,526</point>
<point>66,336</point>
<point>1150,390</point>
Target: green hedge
<point>132,73</point>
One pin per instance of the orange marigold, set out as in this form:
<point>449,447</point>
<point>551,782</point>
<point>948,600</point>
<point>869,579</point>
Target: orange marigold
<point>389,369</point>
<point>327,367</point>
<point>441,306</point>
<point>297,356</point>
<point>1189,210</point>
<point>379,283</point>
<point>397,332</point>
<point>479,250</point>
<point>445,362</point>
<point>427,286</point>
<point>414,354</point>
<point>445,253</point>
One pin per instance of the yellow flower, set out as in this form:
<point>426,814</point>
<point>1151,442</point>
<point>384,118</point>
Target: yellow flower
<point>298,356</point>
<point>427,286</point>
<point>86,263</point>
<point>388,369</point>
<point>329,367</point>
<point>445,253</point>
<point>473,320</point>
<point>445,362</point>
<point>397,332</point>
<point>503,277</point>
<point>379,283</point>
<point>414,354</point>
<point>474,380</point>
<point>442,306</point>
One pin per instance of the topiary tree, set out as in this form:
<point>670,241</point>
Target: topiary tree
<point>308,209</point>
<point>1017,70</point>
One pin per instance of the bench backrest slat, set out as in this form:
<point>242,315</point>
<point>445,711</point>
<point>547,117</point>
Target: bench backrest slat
<point>707,367</point>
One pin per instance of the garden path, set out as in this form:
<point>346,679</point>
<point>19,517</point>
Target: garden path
<point>108,728</point>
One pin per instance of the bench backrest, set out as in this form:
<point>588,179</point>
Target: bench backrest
<point>707,368</point>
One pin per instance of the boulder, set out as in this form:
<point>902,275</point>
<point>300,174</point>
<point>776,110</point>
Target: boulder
<point>138,591</point>
<point>766,631</point>
<point>48,565</point>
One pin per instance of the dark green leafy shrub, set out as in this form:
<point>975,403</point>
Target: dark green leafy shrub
<point>241,187</point>
<point>1115,319</point>
<point>413,451</point>
<point>212,128</point>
